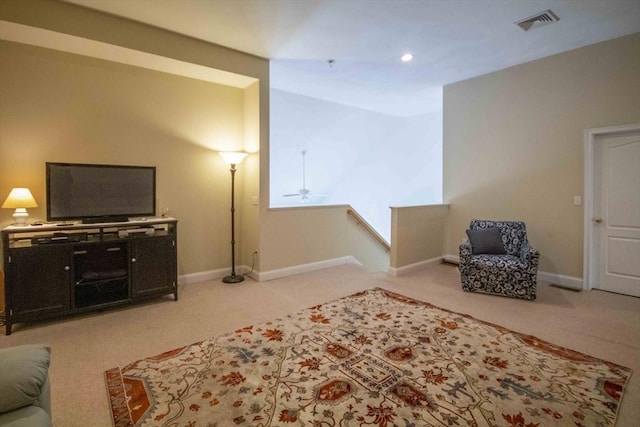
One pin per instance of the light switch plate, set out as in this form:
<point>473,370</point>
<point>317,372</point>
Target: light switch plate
<point>577,200</point>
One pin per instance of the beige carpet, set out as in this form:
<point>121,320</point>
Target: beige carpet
<point>601,324</point>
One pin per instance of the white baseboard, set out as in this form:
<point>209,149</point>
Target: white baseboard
<point>218,274</point>
<point>395,272</point>
<point>303,268</point>
<point>544,276</point>
<point>203,276</point>
<point>560,279</point>
<point>453,259</point>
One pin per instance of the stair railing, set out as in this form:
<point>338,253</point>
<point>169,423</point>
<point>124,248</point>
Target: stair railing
<point>368,228</point>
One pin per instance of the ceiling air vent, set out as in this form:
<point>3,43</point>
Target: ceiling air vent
<point>538,20</point>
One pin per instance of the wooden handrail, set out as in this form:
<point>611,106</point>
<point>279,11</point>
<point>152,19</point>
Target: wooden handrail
<point>367,227</point>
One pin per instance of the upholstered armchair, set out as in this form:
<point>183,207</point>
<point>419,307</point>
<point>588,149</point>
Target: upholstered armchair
<point>497,259</point>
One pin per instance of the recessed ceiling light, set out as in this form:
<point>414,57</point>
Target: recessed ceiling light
<point>407,57</point>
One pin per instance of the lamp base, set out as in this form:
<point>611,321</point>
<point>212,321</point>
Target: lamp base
<point>20,217</point>
<point>233,278</point>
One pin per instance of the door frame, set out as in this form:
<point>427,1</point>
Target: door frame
<point>590,145</point>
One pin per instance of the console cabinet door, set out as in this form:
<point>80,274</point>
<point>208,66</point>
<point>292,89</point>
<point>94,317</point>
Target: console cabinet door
<point>40,280</point>
<point>153,265</point>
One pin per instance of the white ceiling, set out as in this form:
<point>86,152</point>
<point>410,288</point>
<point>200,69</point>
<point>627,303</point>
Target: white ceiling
<point>451,40</point>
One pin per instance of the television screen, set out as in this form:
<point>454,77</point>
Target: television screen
<point>100,192</point>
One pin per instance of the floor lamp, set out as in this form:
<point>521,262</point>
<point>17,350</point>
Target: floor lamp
<point>233,158</point>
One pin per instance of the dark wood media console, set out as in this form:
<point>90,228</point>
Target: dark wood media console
<point>53,270</point>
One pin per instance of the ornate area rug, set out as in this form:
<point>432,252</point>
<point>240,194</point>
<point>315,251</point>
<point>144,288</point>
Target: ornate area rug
<point>375,358</point>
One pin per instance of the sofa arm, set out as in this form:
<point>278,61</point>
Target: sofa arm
<point>24,377</point>
<point>530,257</point>
<point>465,250</point>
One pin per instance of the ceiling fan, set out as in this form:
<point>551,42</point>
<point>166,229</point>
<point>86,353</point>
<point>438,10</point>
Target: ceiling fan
<point>304,193</point>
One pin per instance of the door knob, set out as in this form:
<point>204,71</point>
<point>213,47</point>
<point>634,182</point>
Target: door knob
<point>597,220</point>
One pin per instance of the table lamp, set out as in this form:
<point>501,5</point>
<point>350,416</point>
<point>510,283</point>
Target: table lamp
<point>20,199</point>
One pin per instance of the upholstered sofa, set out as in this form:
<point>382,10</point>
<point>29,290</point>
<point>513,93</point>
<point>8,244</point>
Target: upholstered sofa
<point>25,397</point>
<point>497,259</point>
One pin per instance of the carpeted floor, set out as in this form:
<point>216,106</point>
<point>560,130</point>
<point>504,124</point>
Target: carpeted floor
<point>603,325</point>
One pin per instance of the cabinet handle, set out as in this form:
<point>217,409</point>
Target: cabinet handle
<point>112,249</point>
<point>133,260</point>
<point>66,268</point>
<point>79,252</point>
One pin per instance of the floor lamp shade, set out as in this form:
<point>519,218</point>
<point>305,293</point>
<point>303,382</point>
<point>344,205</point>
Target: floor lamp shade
<point>20,199</point>
<point>233,158</point>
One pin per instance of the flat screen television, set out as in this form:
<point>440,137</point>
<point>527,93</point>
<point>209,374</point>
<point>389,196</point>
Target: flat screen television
<point>99,193</point>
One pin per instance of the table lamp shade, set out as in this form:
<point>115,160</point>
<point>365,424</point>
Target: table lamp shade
<point>20,198</point>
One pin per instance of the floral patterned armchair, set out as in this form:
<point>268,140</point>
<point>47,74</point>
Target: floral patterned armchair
<point>509,269</point>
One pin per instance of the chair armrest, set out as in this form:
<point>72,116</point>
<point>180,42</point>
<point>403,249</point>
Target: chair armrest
<point>529,256</point>
<point>465,251</point>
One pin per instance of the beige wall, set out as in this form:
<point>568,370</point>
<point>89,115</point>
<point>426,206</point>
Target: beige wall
<point>249,211</point>
<point>298,236</point>
<point>204,217</point>
<point>417,234</point>
<point>62,107</point>
<point>513,143</point>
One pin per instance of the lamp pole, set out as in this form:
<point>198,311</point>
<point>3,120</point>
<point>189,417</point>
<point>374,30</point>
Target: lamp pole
<point>233,158</point>
<point>233,278</point>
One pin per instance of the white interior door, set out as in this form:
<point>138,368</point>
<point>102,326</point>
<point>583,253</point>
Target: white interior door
<point>617,213</point>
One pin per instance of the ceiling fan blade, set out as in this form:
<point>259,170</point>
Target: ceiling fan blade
<point>291,195</point>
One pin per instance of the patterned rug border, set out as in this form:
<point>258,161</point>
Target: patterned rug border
<point>121,413</point>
